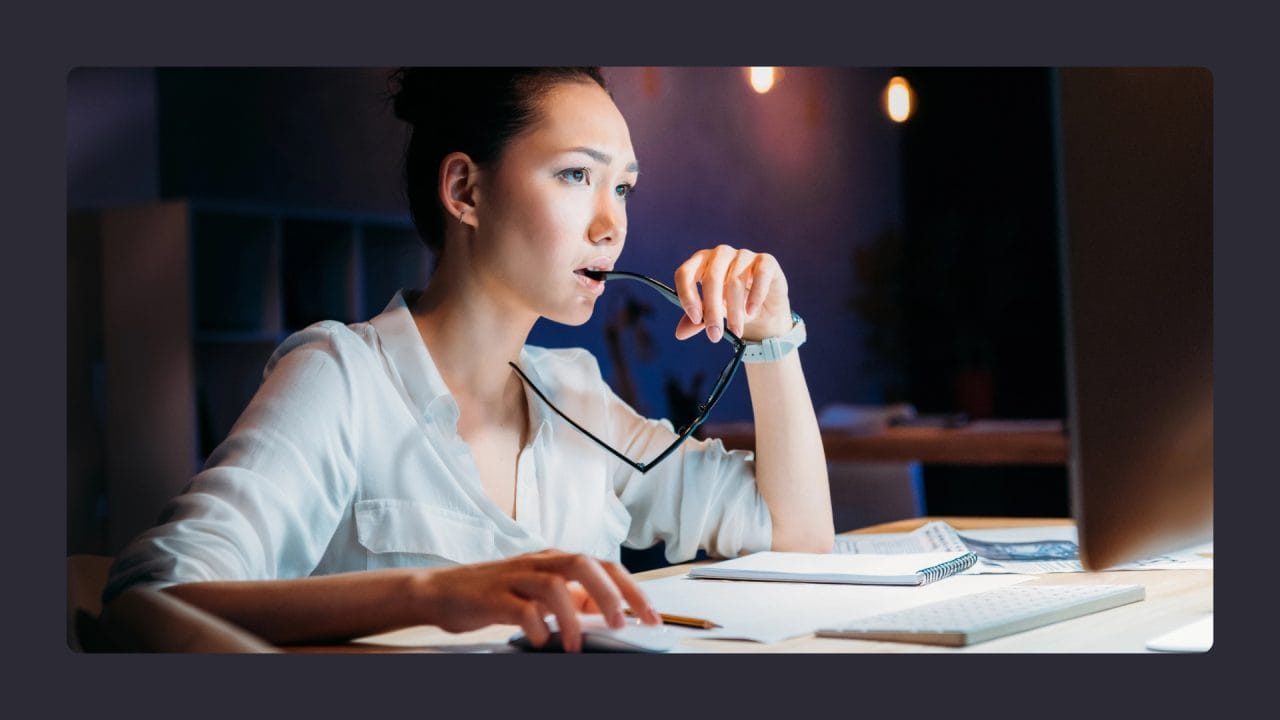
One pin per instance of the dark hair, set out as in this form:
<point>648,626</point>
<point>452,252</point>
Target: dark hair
<point>472,110</point>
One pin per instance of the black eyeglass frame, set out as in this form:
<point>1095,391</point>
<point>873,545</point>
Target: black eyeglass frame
<point>726,376</point>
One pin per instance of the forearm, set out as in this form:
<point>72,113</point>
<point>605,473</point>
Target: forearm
<point>315,609</point>
<point>791,466</point>
<point>519,590</point>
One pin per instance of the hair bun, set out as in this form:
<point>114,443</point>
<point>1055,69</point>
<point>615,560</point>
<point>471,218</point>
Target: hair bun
<point>412,90</point>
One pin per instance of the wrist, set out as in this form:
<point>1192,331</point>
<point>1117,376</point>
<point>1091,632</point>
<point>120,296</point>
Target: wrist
<point>418,597</point>
<point>774,326</point>
<point>773,348</point>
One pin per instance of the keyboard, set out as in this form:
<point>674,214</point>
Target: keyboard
<point>986,615</point>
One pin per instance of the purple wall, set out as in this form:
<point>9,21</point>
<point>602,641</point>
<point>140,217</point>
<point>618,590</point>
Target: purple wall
<point>808,172</point>
<point>112,137</point>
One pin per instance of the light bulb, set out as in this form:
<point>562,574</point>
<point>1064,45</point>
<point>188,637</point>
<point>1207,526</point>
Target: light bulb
<point>899,99</point>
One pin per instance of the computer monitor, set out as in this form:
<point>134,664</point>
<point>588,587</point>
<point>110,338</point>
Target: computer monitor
<point>1136,211</point>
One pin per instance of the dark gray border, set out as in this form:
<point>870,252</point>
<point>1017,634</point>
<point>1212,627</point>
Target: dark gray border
<point>50,40</point>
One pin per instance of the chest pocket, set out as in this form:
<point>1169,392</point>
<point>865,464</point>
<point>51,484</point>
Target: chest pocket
<point>400,533</point>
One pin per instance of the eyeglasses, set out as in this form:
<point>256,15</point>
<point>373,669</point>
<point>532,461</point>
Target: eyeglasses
<point>726,375</point>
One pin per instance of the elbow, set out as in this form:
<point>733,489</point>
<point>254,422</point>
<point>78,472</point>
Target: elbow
<point>807,540</point>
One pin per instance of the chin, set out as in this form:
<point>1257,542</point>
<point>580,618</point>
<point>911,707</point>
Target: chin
<point>574,316</point>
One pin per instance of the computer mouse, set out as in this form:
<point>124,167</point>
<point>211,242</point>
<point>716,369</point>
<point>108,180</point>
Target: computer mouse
<point>598,637</point>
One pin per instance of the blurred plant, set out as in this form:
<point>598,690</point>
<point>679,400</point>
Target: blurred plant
<point>627,324</point>
<point>627,338</point>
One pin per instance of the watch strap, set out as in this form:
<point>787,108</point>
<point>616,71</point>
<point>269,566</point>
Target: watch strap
<point>775,348</point>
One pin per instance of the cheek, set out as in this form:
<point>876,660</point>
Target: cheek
<point>542,215</point>
<point>566,218</point>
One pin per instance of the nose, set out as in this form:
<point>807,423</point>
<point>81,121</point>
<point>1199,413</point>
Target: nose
<point>608,223</point>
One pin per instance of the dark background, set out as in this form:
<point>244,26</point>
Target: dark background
<point>923,255</point>
<point>980,303</point>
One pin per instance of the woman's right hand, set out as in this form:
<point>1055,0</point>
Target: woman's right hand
<point>524,589</point>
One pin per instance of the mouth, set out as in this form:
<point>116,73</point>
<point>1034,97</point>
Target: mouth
<point>591,276</point>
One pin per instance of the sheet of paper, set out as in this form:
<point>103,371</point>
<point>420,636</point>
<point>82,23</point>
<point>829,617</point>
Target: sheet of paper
<point>1196,636</point>
<point>429,637</point>
<point>1032,550</point>
<point>772,611</point>
<point>491,639</point>
<point>931,537</point>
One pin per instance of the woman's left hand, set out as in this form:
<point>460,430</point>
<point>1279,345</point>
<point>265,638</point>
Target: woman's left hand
<point>745,289</point>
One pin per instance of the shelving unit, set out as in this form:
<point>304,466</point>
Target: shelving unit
<point>194,298</point>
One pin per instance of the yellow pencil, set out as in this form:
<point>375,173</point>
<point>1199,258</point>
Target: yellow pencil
<point>682,620</point>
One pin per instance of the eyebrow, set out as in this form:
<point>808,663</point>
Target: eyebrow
<point>603,158</point>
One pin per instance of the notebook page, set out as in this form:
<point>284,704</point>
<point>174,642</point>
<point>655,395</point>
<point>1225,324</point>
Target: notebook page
<point>863,567</point>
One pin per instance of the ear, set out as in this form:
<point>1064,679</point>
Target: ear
<point>458,179</point>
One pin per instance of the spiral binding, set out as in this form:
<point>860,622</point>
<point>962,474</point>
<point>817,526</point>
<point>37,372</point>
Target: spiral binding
<point>949,568</point>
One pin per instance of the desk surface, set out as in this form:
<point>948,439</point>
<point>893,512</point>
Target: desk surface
<point>1173,599</point>
<point>982,442</point>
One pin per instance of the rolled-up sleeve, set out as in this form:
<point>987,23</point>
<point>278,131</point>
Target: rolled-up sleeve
<point>270,496</point>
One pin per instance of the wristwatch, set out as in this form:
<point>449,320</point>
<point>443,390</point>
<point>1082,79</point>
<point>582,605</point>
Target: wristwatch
<point>774,348</point>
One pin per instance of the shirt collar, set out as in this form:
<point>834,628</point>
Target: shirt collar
<point>409,358</point>
<point>424,387</point>
<point>541,416</point>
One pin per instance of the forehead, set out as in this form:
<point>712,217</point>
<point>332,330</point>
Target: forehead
<point>579,114</point>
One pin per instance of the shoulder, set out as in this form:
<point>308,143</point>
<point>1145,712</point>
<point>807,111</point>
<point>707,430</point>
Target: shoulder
<point>566,366</point>
<point>328,343</point>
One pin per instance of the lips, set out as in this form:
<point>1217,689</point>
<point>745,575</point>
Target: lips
<point>593,284</point>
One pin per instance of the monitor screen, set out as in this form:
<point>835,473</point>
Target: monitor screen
<point>1136,213</point>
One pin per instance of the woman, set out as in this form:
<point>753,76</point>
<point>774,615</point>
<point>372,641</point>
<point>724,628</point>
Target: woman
<point>407,445</point>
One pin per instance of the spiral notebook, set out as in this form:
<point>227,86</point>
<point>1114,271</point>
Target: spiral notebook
<point>860,569</point>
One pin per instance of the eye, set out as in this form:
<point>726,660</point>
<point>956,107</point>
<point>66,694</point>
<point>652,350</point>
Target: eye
<point>624,190</point>
<point>574,175</point>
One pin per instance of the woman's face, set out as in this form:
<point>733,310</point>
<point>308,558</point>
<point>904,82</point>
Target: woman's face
<point>555,203</point>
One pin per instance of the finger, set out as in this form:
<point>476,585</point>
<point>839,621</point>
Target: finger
<point>737,281</point>
<point>766,270</point>
<point>581,598</point>
<point>713,273</point>
<point>686,329</point>
<point>686,286</point>
<point>636,599</point>
<point>595,580</point>
<point>549,591</point>
<point>529,617</point>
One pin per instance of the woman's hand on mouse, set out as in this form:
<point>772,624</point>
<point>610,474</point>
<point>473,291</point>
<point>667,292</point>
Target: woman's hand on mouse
<point>524,589</point>
<point>743,289</point>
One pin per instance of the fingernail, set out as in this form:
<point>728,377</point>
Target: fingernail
<point>616,620</point>
<point>695,314</point>
<point>714,332</point>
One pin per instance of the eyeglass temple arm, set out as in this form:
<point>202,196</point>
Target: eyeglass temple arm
<point>661,287</point>
<point>638,466</point>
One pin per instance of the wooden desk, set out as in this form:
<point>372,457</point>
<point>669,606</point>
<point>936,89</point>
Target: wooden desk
<point>982,442</point>
<point>1173,599</point>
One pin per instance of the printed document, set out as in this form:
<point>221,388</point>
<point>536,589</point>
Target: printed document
<point>1021,550</point>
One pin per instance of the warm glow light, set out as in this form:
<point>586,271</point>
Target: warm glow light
<point>762,78</point>
<point>899,99</point>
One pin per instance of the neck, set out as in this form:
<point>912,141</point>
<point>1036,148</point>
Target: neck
<point>472,334</point>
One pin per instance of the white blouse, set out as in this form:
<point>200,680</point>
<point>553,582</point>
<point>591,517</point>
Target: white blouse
<point>348,458</point>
